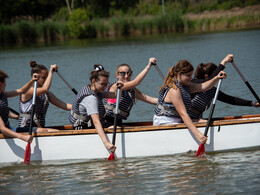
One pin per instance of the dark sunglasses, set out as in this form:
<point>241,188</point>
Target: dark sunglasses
<point>102,84</point>
<point>129,73</point>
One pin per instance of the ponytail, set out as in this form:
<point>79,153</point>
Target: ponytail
<point>182,66</point>
<point>203,69</point>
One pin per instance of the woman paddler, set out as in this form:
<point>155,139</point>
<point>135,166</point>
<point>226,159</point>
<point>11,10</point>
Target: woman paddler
<point>200,101</point>
<point>128,97</point>
<point>43,97</point>
<point>175,97</point>
<point>5,127</point>
<point>88,109</point>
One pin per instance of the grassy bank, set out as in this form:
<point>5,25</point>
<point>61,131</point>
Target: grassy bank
<point>26,32</point>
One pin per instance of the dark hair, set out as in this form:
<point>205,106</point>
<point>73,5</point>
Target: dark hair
<point>203,69</point>
<point>182,66</point>
<point>37,68</point>
<point>3,76</point>
<point>99,71</point>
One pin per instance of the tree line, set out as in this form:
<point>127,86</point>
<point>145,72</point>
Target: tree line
<point>39,10</point>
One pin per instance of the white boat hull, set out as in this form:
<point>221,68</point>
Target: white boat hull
<point>134,142</point>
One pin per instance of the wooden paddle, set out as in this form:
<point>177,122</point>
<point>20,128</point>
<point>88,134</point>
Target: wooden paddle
<point>72,89</point>
<point>246,82</point>
<point>158,70</point>
<point>201,149</point>
<point>112,156</point>
<point>27,154</point>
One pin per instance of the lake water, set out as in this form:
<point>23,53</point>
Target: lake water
<point>221,173</point>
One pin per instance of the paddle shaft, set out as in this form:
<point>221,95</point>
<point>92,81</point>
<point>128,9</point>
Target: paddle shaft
<point>159,72</point>
<point>212,108</point>
<point>247,83</point>
<point>116,115</point>
<point>33,107</point>
<point>72,89</point>
<point>13,111</point>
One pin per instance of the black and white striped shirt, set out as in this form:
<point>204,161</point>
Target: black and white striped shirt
<point>169,109</point>
<point>4,110</point>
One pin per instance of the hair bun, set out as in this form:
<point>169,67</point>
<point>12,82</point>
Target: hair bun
<point>33,64</point>
<point>98,67</point>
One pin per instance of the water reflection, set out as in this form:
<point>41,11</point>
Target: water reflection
<point>217,173</point>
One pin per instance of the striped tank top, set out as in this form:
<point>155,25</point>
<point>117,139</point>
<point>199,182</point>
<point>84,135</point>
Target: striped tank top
<point>4,110</point>
<point>126,103</point>
<point>41,107</point>
<point>168,109</point>
<point>200,103</point>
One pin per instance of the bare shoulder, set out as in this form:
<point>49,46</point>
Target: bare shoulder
<point>172,95</point>
<point>113,88</point>
<point>173,91</point>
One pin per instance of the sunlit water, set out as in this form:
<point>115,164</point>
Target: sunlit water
<point>221,173</point>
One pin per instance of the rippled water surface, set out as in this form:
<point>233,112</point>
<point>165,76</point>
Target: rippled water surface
<point>220,173</point>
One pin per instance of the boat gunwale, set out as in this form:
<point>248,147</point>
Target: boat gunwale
<point>146,126</point>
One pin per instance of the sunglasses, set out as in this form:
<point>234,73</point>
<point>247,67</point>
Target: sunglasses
<point>103,84</point>
<point>129,73</point>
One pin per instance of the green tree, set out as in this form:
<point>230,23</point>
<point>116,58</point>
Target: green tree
<point>37,9</point>
<point>77,22</point>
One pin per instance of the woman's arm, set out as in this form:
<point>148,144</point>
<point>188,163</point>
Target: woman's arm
<point>13,116</point>
<point>228,58</point>
<point>131,84</point>
<point>41,90</point>
<point>221,66</point>
<point>176,98</point>
<point>101,133</point>
<point>140,77</point>
<point>10,133</point>
<point>233,100</point>
<point>145,98</point>
<point>60,104</point>
<point>24,88</point>
<point>198,87</point>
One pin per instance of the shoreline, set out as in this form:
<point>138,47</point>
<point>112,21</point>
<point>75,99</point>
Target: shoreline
<point>28,33</point>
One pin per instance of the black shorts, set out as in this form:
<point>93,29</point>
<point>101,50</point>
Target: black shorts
<point>110,121</point>
<point>25,129</point>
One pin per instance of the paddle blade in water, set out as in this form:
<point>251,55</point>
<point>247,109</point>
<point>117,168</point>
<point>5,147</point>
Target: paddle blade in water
<point>112,156</point>
<point>27,154</point>
<point>201,150</point>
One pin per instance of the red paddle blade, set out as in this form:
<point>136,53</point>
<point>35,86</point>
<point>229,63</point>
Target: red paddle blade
<point>201,150</point>
<point>112,156</point>
<point>27,154</point>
